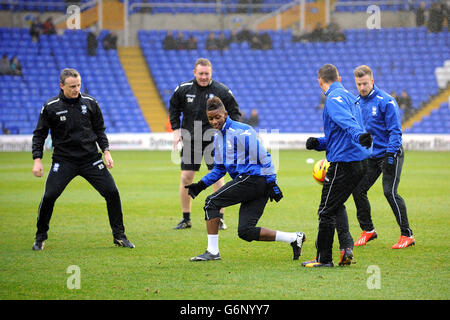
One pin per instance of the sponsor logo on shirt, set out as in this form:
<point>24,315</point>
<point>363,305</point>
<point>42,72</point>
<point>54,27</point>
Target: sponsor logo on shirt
<point>374,111</point>
<point>190,98</point>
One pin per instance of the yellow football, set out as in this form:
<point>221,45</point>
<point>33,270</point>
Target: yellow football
<point>320,169</point>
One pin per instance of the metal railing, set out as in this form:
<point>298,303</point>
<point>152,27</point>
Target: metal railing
<point>33,3</point>
<point>372,2</point>
<point>277,13</point>
<point>219,6</point>
<point>42,4</point>
<point>82,7</point>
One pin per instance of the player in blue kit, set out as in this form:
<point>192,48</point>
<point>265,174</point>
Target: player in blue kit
<point>347,145</point>
<point>381,118</point>
<point>238,151</point>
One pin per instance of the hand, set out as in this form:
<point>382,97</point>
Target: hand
<point>388,163</point>
<point>275,192</point>
<point>38,169</point>
<point>108,160</point>
<point>312,143</point>
<point>365,139</point>
<point>177,139</point>
<point>195,188</point>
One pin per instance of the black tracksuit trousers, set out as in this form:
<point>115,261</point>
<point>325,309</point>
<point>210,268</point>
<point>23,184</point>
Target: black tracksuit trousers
<point>96,173</point>
<point>341,179</point>
<point>390,186</point>
<point>251,193</point>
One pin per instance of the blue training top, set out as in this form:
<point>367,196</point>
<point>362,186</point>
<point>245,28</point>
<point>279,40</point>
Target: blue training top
<point>342,122</point>
<point>381,118</point>
<point>237,150</point>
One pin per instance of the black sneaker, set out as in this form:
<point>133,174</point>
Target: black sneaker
<point>297,245</point>
<point>206,256</point>
<point>183,224</point>
<point>346,257</point>
<point>38,245</point>
<point>222,225</point>
<point>317,264</point>
<point>123,242</point>
<point>304,263</point>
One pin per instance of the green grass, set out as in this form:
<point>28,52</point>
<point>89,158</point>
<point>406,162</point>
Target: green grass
<point>159,266</point>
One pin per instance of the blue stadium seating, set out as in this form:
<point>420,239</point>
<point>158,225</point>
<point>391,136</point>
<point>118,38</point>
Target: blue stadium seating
<point>21,98</point>
<point>281,83</point>
<point>437,122</point>
<point>230,6</point>
<point>41,6</point>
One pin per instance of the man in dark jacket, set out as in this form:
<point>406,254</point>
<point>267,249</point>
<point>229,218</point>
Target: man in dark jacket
<point>420,14</point>
<point>92,43</point>
<point>169,42</point>
<point>77,131</point>
<point>110,41</point>
<point>194,132</point>
<point>436,17</point>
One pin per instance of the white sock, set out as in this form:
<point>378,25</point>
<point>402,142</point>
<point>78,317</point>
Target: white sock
<point>285,236</point>
<point>213,243</point>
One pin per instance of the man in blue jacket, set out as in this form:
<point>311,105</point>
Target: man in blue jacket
<point>346,145</point>
<point>382,119</point>
<point>238,151</point>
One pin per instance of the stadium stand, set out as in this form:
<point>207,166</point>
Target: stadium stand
<point>198,7</point>
<point>281,83</point>
<point>437,122</point>
<point>443,74</point>
<point>347,6</point>
<point>38,6</point>
<point>22,97</point>
<point>230,6</point>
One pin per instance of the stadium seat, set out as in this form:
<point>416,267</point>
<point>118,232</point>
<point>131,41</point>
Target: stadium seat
<point>281,83</point>
<point>265,79</point>
<point>41,66</point>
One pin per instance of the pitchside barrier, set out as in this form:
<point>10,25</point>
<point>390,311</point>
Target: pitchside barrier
<point>272,141</point>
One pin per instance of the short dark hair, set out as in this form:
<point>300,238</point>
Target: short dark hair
<point>67,73</point>
<point>214,103</point>
<point>328,73</point>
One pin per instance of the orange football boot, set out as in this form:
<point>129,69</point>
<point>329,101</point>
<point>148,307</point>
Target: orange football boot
<point>366,237</point>
<point>404,242</point>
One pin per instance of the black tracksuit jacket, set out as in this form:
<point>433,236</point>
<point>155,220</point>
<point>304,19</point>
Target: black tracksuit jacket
<point>76,127</point>
<point>190,99</point>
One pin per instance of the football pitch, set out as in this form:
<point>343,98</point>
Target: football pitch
<point>80,261</point>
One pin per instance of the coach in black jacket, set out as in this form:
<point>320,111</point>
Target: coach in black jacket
<point>77,130</point>
<point>194,132</point>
